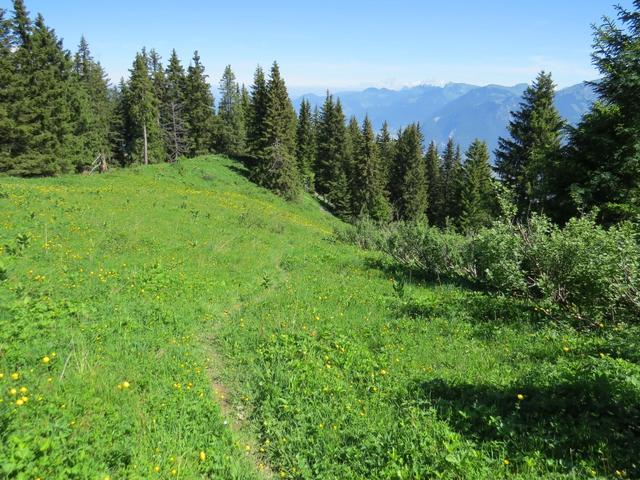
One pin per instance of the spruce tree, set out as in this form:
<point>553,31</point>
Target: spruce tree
<point>277,168</point>
<point>450,182</point>
<point>6,82</point>
<point>410,168</point>
<point>477,197</point>
<point>603,157</point>
<point>331,158</point>
<point>258,112</point>
<point>526,161</point>
<point>231,134</point>
<point>305,144</point>
<point>172,109</point>
<point>436,203</point>
<point>144,113</point>
<point>92,109</point>
<point>198,109</point>
<point>386,145</point>
<point>368,192</point>
<point>41,99</point>
<point>354,139</point>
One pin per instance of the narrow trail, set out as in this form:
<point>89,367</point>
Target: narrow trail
<point>235,416</point>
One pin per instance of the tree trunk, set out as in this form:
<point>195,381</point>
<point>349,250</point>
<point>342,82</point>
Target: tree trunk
<point>146,146</point>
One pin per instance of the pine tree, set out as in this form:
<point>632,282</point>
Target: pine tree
<point>172,109</point>
<point>6,82</point>
<point>41,99</point>
<point>198,109</point>
<point>331,179</point>
<point>121,136</point>
<point>368,192</point>
<point>386,146</point>
<point>450,183</point>
<point>413,191</point>
<point>277,168</point>
<point>258,112</point>
<point>305,144</point>
<point>436,203</point>
<point>603,159</point>
<point>144,113</point>
<point>21,23</point>
<point>477,198</point>
<point>231,133</point>
<point>526,161</point>
<point>91,108</point>
<point>354,139</point>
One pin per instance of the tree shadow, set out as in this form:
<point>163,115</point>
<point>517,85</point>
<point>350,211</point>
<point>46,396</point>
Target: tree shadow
<point>568,416</point>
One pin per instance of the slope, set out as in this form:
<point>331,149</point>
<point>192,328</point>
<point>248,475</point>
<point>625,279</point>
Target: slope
<point>175,321</point>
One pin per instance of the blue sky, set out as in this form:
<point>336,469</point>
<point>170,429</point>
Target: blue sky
<point>345,44</point>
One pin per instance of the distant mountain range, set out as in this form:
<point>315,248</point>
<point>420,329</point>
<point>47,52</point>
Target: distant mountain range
<point>460,110</point>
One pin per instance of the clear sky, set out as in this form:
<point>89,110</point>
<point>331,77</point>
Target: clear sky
<point>348,44</point>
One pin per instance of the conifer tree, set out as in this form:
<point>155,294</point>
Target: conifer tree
<point>91,108</point>
<point>368,192</point>
<point>172,109</point>
<point>525,162</point>
<point>258,112</point>
<point>477,197</point>
<point>354,139</point>
<point>231,133</point>
<point>6,82</point>
<point>410,167</point>
<point>21,23</point>
<point>144,113</point>
<point>434,210</point>
<point>41,98</point>
<point>121,136</point>
<point>386,146</point>
<point>198,109</point>
<point>277,168</point>
<point>450,178</point>
<point>603,163</point>
<point>331,158</point>
<point>305,144</point>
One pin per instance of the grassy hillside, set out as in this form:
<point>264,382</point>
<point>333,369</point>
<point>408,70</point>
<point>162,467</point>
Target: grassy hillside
<point>176,321</point>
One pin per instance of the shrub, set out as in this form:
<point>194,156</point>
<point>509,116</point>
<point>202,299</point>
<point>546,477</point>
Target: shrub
<point>582,269</point>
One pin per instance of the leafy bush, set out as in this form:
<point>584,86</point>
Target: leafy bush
<point>582,269</point>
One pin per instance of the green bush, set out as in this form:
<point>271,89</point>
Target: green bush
<point>582,269</point>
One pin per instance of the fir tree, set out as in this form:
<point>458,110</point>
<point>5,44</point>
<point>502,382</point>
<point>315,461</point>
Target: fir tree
<point>368,192</point>
<point>41,100</point>
<point>277,168</point>
<point>354,139</point>
<point>6,82</point>
<point>172,109</point>
<point>450,182</point>
<point>258,112</point>
<point>198,109</point>
<point>144,113</point>
<point>121,136</point>
<point>436,203</point>
<point>305,144</point>
<point>386,146</point>
<point>231,133</point>
<point>91,108</point>
<point>477,197</point>
<point>331,158</point>
<point>413,191</point>
<point>603,163</point>
<point>525,162</point>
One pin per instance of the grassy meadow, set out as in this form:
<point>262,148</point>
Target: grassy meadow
<point>176,321</point>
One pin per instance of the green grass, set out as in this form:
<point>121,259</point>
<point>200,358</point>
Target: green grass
<point>191,284</point>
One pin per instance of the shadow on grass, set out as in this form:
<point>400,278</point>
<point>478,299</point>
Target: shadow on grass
<point>578,416</point>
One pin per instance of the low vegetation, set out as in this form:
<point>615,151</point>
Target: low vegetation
<point>138,305</point>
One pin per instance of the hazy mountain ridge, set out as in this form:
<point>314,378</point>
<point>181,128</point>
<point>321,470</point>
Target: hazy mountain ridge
<point>462,110</point>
